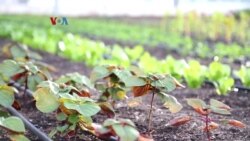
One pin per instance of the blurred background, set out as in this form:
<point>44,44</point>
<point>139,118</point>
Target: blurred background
<point>121,7</point>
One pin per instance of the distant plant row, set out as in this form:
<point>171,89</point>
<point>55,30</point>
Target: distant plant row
<point>95,53</point>
<point>191,34</point>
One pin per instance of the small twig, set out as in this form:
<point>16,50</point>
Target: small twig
<point>150,112</point>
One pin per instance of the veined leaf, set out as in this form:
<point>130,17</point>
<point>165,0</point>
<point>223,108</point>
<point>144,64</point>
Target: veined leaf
<point>9,67</point>
<point>126,133</point>
<point>86,108</point>
<point>132,81</point>
<point>18,137</point>
<point>46,101</point>
<point>99,72</point>
<point>167,83</point>
<point>170,102</point>
<point>196,103</point>
<point>13,124</point>
<point>6,95</point>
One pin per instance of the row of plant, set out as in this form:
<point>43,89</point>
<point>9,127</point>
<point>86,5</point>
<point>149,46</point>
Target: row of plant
<point>144,34</point>
<point>70,97</point>
<point>93,53</point>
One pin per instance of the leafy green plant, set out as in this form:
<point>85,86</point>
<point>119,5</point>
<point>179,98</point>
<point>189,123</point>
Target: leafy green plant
<point>220,75</point>
<point>205,110</point>
<point>244,75</point>
<point>194,74</point>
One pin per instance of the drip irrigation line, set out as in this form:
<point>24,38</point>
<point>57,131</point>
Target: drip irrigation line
<point>41,135</point>
<point>239,87</point>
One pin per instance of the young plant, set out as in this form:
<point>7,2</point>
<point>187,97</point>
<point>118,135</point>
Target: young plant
<point>244,74</point>
<point>205,110</point>
<point>220,75</point>
<point>156,85</point>
<point>194,74</point>
<point>124,129</point>
<point>13,125</point>
<point>23,72</point>
<point>111,82</point>
<point>73,109</point>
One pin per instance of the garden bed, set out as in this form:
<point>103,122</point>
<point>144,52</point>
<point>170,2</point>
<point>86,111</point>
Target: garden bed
<point>239,101</point>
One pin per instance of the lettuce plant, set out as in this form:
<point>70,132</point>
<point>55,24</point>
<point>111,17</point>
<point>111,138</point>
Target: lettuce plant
<point>244,75</point>
<point>194,74</point>
<point>220,75</point>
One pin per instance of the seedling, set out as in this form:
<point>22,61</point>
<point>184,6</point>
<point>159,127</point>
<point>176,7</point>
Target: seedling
<point>13,125</point>
<point>156,85</point>
<point>111,82</point>
<point>244,74</point>
<point>73,109</point>
<point>205,111</point>
<point>124,129</point>
<point>25,73</point>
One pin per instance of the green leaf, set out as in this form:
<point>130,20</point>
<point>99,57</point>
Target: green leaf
<point>122,74</point>
<point>220,110</point>
<point>110,122</point>
<point>219,107</point>
<point>86,109</point>
<point>18,52</point>
<point>126,133</point>
<point>196,103</point>
<point>33,81</point>
<point>18,137</point>
<point>9,67</point>
<point>99,72</point>
<point>6,96</point>
<point>53,87</point>
<point>61,116</point>
<point>167,83</point>
<point>132,81</point>
<point>13,124</point>
<point>224,85</point>
<point>77,78</point>
<point>170,102</point>
<point>46,101</point>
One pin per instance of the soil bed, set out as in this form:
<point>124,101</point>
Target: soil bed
<point>239,101</point>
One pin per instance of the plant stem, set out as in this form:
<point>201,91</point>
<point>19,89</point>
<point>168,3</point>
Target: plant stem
<point>25,87</point>
<point>150,112</point>
<point>207,130</point>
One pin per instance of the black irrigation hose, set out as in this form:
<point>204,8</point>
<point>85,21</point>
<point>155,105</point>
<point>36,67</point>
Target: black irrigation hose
<point>31,126</point>
<point>235,86</point>
<point>42,136</point>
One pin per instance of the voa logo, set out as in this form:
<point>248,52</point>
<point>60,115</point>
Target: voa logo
<point>58,20</point>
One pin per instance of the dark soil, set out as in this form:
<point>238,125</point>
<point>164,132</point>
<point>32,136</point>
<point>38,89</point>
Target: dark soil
<point>239,101</point>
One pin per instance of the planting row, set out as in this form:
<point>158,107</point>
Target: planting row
<point>175,34</point>
<point>97,53</point>
<point>70,97</point>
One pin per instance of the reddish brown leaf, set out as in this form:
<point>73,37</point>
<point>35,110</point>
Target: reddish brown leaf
<point>16,105</point>
<point>66,111</point>
<point>236,123</point>
<point>141,90</point>
<point>18,76</point>
<point>107,109</point>
<point>202,111</point>
<point>179,121</point>
<point>70,134</point>
<point>145,138</point>
<point>211,126</point>
<point>84,94</point>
